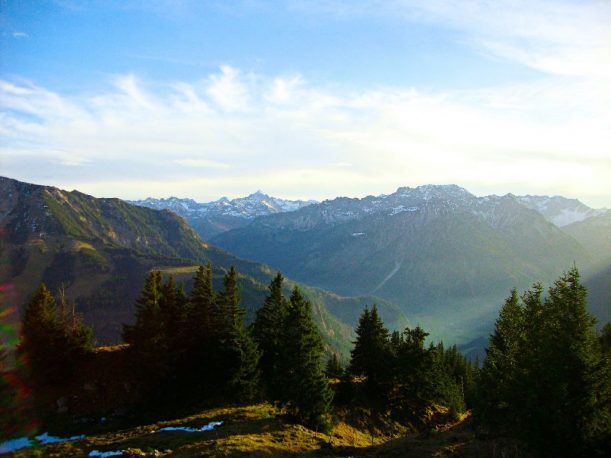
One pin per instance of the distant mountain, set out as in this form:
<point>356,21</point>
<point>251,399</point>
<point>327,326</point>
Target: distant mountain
<point>560,210</point>
<point>448,257</point>
<point>594,233</point>
<point>101,250</point>
<point>212,218</point>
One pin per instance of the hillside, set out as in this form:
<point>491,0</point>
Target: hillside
<point>101,250</point>
<point>447,257</point>
<point>261,430</point>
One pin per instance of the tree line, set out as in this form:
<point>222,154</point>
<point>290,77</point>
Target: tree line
<point>545,381</point>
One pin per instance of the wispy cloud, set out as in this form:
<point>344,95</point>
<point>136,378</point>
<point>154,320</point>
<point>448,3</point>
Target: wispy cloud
<point>230,132</point>
<point>20,35</point>
<point>560,37</point>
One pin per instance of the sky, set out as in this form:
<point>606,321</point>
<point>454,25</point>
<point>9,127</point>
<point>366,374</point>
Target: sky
<point>307,99</point>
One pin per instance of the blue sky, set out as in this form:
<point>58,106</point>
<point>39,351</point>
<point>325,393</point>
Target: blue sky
<point>308,99</point>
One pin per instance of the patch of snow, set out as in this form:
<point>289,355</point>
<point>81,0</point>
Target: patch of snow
<point>209,427</point>
<point>14,444</point>
<point>568,216</point>
<point>43,439</point>
<point>401,209</point>
<point>97,453</point>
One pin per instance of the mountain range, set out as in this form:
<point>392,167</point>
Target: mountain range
<point>101,249</point>
<point>436,255</point>
<point>212,218</point>
<point>447,257</point>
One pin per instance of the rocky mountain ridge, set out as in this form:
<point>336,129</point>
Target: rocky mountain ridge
<point>100,250</point>
<point>211,218</point>
<point>447,257</point>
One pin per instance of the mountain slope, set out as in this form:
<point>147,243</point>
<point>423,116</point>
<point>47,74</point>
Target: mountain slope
<point>212,218</point>
<point>101,250</point>
<point>559,210</point>
<point>447,257</point>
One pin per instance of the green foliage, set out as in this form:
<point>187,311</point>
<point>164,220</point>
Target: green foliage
<point>53,341</point>
<point>268,331</point>
<point>237,350</point>
<point>545,380</point>
<point>148,339</point>
<point>371,355</point>
<point>307,390</point>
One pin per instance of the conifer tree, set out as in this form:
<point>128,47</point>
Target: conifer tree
<point>52,341</point>
<point>240,355</point>
<point>268,332</point>
<point>545,380</point>
<point>200,332</point>
<point>39,331</point>
<point>371,356</point>
<point>499,384</point>
<point>172,311</point>
<point>147,337</point>
<point>416,379</point>
<point>307,390</point>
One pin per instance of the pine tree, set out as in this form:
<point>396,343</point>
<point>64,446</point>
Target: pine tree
<point>371,356</point>
<point>500,391</point>
<point>172,302</point>
<point>307,390</point>
<point>147,337</point>
<point>545,380</point>
<point>417,379</point>
<point>40,331</point>
<point>240,355</point>
<point>200,337</point>
<point>268,332</point>
<point>53,342</point>
<point>201,308</point>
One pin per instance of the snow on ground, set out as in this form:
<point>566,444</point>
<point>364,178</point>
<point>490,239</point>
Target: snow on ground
<point>13,445</point>
<point>209,427</point>
<point>97,453</point>
<point>42,439</point>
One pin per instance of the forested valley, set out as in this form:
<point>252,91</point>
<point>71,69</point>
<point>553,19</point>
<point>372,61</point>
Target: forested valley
<point>543,389</point>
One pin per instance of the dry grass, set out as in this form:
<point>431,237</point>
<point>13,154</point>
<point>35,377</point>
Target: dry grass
<point>261,430</point>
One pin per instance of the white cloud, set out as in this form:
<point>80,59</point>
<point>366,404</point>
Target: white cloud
<point>20,35</point>
<point>227,90</point>
<point>296,139</point>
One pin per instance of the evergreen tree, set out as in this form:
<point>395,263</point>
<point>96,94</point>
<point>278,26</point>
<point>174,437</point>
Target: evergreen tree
<point>200,337</point>
<point>53,342</point>
<point>371,356</point>
<point>240,355</point>
<point>147,337</point>
<point>268,332</point>
<point>307,390</point>
<point>201,308</point>
<point>499,385</point>
<point>545,381</point>
<point>417,379</point>
<point>172,302</point>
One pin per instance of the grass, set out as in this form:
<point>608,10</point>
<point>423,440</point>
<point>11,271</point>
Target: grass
<point>262,430</point>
